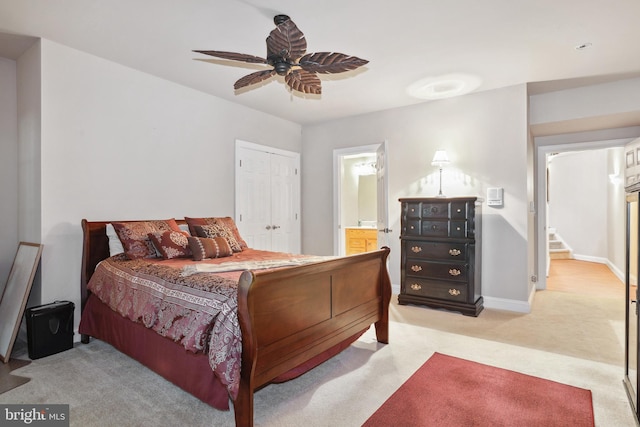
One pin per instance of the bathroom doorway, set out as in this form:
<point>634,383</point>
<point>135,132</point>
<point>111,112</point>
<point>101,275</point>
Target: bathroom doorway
<point>360,199</point>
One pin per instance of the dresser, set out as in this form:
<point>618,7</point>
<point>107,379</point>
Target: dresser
<point>360,240</point>
<point>440,253</point>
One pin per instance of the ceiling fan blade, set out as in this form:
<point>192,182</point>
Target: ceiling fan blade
<point>286,41</point>
<point>253,78</point>
<point>304,81</point>
<point>330,62</point>
<point>243,57</point>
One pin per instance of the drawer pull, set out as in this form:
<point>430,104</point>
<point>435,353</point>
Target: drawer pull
<point>454,252</point>
<point>434,227</point>
<point>459,210</point>
<point>458,228</point>
<point>416,249</point>
<point>415,287</point>
<point>412,227</point>
<point>416,268</point>
<point>454,292</point>
<point>454,272</point>
<point>434,209</point>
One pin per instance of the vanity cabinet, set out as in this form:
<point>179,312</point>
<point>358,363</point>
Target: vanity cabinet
<point>440,253</point>
<point>360,240</point>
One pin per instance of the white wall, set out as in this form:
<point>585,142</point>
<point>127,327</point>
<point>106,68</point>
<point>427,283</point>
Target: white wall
<point>578,195</point>
<point>8,168</point>
<point>121,144</point>
<point>485,135</point>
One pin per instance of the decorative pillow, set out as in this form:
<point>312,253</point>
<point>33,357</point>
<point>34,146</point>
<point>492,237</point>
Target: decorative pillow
<point>202,247</point>
<point>171,244</point>
<point>115,245</point>
<point>218,230</point>
<point>226,221</point>
<point>134,236</point>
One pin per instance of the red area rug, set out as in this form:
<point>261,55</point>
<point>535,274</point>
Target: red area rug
<point>447,391</point>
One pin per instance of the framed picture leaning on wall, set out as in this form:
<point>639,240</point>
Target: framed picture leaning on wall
<point>15,295</point>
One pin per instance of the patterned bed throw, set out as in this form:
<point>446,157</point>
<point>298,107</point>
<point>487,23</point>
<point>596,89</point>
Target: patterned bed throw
<point>198,311</point>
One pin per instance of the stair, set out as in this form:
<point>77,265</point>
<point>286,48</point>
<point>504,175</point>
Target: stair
<point>557,248</point>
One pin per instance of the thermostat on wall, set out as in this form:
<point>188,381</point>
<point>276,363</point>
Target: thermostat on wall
<point>495,196</point>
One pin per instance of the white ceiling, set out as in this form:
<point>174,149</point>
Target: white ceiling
<point>503,42</point>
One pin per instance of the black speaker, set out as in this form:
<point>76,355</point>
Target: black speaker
<point>49,328</point>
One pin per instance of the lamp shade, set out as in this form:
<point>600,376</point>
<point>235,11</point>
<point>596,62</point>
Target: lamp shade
<point>440,158</point>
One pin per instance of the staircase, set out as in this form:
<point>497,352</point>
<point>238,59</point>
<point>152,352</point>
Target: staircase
<point>557,248</point>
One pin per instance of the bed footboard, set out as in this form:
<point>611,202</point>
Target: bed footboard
<point>288,316</point>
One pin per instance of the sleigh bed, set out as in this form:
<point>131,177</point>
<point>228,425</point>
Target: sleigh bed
<point>290,318</point>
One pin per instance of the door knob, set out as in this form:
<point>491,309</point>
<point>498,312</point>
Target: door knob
<point>275,227</point>
<point>268,227</point>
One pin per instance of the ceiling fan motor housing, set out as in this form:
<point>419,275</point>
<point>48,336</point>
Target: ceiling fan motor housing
<point>282,67</point>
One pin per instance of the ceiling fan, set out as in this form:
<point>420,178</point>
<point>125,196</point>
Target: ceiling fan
<point>286,54</point>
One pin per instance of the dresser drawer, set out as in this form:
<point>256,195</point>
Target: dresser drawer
<point>436,251</point>
<point>436,289</point>
<point>412,210</point>
<point>458,272</point>
<point>435,210</point>
<point>458,210</point>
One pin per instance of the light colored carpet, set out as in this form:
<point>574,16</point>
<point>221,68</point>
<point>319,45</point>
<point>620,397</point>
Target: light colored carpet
<point>569,338</point>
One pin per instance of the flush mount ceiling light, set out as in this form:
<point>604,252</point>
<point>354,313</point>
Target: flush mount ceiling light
<point>445,86</point>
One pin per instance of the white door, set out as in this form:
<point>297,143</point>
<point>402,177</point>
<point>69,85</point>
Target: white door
<point>383,199</point>
<point>268,197</point>
<point>284,215</point>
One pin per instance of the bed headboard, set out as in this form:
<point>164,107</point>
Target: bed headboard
<point>95,248</point>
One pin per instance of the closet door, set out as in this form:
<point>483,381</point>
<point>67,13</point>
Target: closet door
<point>283,210</point>
<point>268,197</point>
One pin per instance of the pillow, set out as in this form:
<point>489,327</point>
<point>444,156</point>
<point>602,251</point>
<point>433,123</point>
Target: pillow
<point>115,245</point>
<point>171,244</point>
<point>134,236</point>
<point>226,221</point>
<point>202,247</point>
<point>217,230</point>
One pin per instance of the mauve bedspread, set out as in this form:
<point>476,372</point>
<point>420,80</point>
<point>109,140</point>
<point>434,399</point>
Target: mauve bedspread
<point>199,311</point>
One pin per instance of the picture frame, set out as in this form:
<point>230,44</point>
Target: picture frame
<point>16,293</point>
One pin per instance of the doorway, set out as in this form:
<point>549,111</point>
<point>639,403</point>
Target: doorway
<point>612,240</point>
<point>360,199</point>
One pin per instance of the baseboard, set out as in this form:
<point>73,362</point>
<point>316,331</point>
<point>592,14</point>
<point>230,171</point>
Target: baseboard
<point>395,289</point>
<point>509,304</point>
<point>599,260</point>
<point>615,270</point>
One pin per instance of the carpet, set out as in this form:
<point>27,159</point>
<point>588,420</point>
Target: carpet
<point>448,391</point>
<point>8,381</point>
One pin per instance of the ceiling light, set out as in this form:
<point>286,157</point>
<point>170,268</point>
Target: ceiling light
<point>445,86</point>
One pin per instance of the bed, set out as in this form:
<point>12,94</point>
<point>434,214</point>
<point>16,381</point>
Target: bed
<point>290,318</point>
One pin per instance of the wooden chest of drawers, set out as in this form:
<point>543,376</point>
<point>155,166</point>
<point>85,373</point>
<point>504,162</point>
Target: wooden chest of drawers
<point>440,253</point>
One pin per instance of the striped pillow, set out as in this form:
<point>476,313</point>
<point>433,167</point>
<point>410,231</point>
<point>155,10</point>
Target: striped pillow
<point>203,247</point>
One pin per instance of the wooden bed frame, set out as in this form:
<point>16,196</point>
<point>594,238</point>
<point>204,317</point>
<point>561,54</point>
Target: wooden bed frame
<point>287,316</point>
